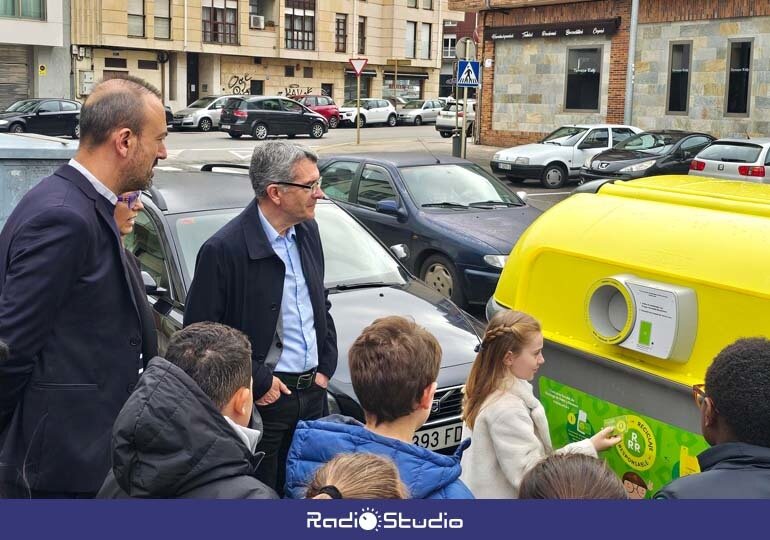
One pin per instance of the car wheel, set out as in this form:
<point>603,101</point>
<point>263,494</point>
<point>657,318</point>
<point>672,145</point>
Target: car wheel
<point>17,128</point>
<point>334,122</point>
<point>234,135</point>
<point>76,132</point>
<point>417,121</point>
<point>445,134</point>
<point>260,132</point>
<point>392,121</point>
<point>554,176</point>
<point>205,125</point>
<point>440,275</point>
<point>316,130</point>
<point>361,121</point>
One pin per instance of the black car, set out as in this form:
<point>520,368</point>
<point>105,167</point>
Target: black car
<point>42,115</point>
<point>457,223</point>
<point>365,281</point>
<point>262,116</point>
<point>647,154</point>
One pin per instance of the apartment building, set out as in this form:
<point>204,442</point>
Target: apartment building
<point>35,56</point>
<point>194,48</point>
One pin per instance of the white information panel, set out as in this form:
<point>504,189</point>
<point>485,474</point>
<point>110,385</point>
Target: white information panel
<point>656,321</point>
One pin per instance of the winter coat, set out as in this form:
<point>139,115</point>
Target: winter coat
<point>170,441</point>
<point>728,471</point>
<point>427,475</point>
<point>510,436</point>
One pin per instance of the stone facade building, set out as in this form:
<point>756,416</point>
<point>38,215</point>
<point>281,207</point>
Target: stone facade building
<point>700,65</point>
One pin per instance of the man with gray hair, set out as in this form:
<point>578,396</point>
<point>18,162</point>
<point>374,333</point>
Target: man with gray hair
<point>263,273</point>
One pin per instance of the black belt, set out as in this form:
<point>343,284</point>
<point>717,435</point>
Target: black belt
<point>297,381</point>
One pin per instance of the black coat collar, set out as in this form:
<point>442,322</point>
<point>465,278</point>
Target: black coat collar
<point>257,243</point>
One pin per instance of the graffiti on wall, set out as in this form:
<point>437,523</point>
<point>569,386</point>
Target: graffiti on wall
<point>296,90</point>
<point>239,85</point>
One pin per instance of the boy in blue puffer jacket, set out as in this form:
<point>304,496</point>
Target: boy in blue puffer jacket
<point>394,365</point>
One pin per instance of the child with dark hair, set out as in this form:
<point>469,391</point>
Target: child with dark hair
<point>571,476</point>
<point>734,409</point>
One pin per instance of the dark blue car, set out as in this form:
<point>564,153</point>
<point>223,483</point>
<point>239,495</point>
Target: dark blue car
<point>453,223</point>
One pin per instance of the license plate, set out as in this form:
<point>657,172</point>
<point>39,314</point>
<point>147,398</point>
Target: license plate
<point>440,437</point>
<point>224,126</point>
<point>506,166</point>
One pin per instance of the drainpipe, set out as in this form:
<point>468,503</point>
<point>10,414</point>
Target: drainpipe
<point>630,64</point>
<point>185,25</point>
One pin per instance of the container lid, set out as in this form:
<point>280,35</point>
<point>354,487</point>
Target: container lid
<point>34,146</point>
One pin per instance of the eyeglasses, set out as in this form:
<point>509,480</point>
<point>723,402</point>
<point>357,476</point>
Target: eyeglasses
<point>312,187</point>
<point>699,395</point>
<point>130,198</point>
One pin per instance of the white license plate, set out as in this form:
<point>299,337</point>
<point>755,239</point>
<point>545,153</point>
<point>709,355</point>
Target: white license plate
<point>506,166</point>
<point>440,437</point>
<point>224,126</point>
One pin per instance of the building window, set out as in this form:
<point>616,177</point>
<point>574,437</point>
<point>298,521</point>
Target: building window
<point>341,33</point>
<point>425,39</point>
<point>136,18</point>
<point>427,4</point>
<point>583,79</point>
<point>220,21</point>
<point>162,19</point>
<point>739,78</point>
<point>307,72</point>
<point>300,24</point>
<point>115,63</point>
<point>411,3</point>
<point>679,77</point>
<point>450,42</point>
<point>361,35</point>
<point>148,64</point>
<point>25,9</point>
<point>288,71</point>
<point>411,39</point>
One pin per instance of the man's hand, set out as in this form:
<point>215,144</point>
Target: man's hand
<point>274,393</point>
<point>321,379</point>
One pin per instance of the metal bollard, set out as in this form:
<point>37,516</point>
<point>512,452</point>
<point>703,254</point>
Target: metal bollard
<point>457,144</point>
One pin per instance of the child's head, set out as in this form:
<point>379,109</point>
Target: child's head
<point>512,346</point>
<point>357,476</point>
<point>394,365</point>
<point>218,359</point>
<point>571,476</point>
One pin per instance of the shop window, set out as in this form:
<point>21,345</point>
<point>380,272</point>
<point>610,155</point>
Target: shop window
<point>679,77</point>
<point>220,21</point>
<point>450,43</point>
<point>411,39</point>
<point>362,35</point>
<point>350,86</point>
<point>300,24</point>
<point>739,78</point>
<point>583,79</point>
<point>136,18</point>
<point>341,33</point>
<point>425,35</point>
<point>162,19</point>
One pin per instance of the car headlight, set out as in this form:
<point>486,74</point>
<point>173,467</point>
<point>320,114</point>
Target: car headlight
<point>498,261</point>
<point>334,406</point>
<point>643,166</point>
<point>496,157</point>
<point>522,161</point>
<point>3,122</point>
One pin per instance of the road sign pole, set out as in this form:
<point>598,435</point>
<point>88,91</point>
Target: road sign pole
<point>465,106</point>
<point>358,109</point>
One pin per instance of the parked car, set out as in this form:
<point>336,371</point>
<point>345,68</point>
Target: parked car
<point>419,111</point>
<point>647,154</point>
<point>169,116</point>
<point>42,115</point>
<point>323,105</point>
<point>558,157</point>
<point>735,159</point>
<point>373,111</point>
<point>458,222</point>
<point>261,116</point>
<point>365,281</point>
<point>203,114</point>
<point>449,118</point>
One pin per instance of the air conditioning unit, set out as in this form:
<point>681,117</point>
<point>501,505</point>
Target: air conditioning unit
<point>257,21</point>
<point>450,23</point>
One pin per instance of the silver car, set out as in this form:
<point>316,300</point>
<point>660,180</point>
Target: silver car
<point>735,159</point>
<point>419,111</point>
<point>202,114</point>
<point>448,118</point>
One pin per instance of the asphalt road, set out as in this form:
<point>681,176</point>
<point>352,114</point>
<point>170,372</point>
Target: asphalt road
<point>188,150</point>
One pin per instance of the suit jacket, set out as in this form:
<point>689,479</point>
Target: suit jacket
<point>239,282</point>
<point>71,323</point>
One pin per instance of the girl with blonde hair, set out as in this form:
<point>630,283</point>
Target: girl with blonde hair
<point>505,421</point>
<point>357,476</point>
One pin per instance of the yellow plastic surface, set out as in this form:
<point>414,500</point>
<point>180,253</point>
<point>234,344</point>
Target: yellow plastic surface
<point>706,234</point>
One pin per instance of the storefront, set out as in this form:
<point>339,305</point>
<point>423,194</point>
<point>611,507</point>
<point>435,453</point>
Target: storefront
<point>410,85</point>
<point>366,83</point>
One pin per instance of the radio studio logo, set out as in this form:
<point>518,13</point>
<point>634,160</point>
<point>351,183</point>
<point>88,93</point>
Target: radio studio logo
<point>371,519</point>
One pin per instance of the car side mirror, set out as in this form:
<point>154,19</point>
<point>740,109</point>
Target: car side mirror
<point>150,285</point>
<point>522,195</point>
<point>390,207</point>
<point>400,251</point>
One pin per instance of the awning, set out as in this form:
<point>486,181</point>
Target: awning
<point>365,73</point>
<point>407,75</point>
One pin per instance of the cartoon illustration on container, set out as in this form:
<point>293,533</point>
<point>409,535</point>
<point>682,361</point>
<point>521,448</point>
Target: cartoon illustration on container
<point>635,485</point>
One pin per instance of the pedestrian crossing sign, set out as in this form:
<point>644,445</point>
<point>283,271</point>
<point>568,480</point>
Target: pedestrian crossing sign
<point>467,74</point>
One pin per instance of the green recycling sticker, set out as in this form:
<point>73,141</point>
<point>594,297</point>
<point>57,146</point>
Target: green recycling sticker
<point>646,459</point>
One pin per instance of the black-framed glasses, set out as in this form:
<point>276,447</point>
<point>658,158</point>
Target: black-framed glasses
<point>312,187</point>
<point>129,198</point>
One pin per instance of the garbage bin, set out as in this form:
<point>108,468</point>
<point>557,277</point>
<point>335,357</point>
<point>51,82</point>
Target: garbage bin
<point>457,144</point>
<point>25,159</point>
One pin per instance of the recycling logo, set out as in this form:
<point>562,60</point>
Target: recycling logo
<point>638,448</point>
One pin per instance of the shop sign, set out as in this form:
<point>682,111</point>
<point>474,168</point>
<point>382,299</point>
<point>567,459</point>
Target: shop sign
<point>557,30</point>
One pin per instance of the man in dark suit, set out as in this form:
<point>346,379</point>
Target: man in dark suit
<point>263,273</point>
<point>67,311</point>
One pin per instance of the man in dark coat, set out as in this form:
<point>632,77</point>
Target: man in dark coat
<point>67,310</point>
<point>184,432</point>
<point>263,273</point>
<point>735,419</point>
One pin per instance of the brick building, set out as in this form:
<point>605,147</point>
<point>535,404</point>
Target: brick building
<point>700,64</point>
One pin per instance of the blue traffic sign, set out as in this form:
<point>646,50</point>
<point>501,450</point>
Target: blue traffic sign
<point>467,74</point>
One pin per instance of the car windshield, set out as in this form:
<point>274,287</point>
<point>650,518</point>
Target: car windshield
<point>731,152</point>
<point>458,184</point>
<point>652,143</point>
<point>25,105</point>
<point>368,262</point>
<point>565,135</point>
<point>417,104</point>
<point>201,103</point>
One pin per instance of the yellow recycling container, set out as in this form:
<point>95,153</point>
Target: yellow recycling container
<point>638,287</point>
